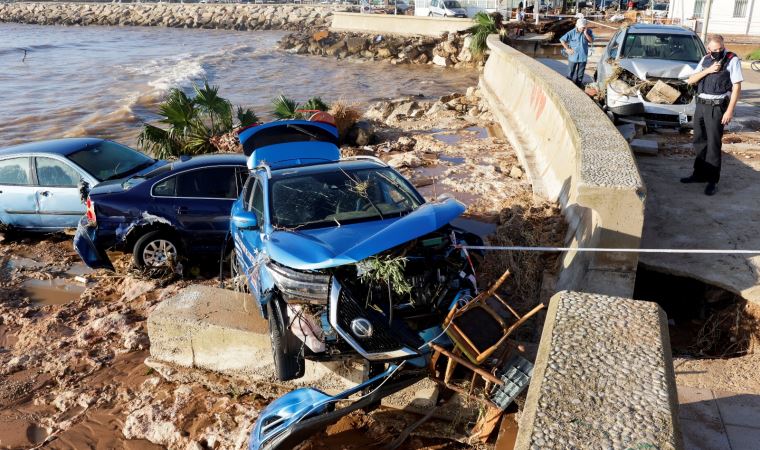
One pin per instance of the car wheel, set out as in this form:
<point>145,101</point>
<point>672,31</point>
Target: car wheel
<point>237,275</point>
<point>286,347</point>
<point>156,249</point>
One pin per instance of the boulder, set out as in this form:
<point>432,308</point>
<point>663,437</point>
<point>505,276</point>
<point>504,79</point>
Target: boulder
<point>356,45</point>
<point>333,50</point>
<point>361,133</point>
<point>441,61</point>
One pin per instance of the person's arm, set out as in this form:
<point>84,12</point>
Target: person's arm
<point>694,79</point>
<point>736,91</point>
<point>563,41</point>
<point>588,35</point>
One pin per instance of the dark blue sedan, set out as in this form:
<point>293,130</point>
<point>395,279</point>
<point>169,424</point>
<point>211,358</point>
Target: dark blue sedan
<point>39,181</point>
<point>165,215</point>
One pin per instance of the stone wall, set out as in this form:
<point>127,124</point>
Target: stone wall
<point>222,16</point>
<point>603,377</point>
<point>395,24</point>
<point>572,153</point>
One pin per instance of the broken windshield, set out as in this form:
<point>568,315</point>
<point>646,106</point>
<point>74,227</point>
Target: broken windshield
<point>108,160</point>
<point>679,47</point>
<point>334,198</point>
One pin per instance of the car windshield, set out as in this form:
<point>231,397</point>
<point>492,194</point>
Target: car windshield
<point>328,199</point>
<point>451,4</point>
<point>108,160</point>
<point>679,47</point>
<point>660,7</point>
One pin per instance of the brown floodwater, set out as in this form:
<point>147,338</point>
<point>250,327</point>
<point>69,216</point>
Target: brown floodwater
<point>98,81</point>
<point>56,291</point>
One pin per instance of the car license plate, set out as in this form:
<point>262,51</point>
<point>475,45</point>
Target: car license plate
<point>683,119</point>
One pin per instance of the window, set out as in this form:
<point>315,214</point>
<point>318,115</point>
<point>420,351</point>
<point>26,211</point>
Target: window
<point>740,8</point>
<point>166,188</point>
<point>15,171</point>
<point>256,201</point>
<point>108,160</point>
<point>53,173</point>
<point>678,47</point>
<point>699,5</point>
<point>215,182</point>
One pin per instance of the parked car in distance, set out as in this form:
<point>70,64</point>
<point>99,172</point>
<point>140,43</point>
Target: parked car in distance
<point>636,58</point>
<point>176,211</point>
<point>311,231</point>
<point>40,181</point>
<point>446,8</point>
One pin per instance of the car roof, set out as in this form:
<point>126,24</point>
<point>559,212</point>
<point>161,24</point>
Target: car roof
<point>217,159</point>
<point>646,28</point>
<point>58,146</point>
<point>346,164</point>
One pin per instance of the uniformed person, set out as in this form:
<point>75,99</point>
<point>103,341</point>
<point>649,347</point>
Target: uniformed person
<point>719,83</point>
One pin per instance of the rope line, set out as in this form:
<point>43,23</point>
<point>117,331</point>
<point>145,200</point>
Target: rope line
<point>611,250</point>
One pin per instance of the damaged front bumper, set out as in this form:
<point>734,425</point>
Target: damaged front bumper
<point>297,415</point>
<point>93,255</point>
<point>654,113</point>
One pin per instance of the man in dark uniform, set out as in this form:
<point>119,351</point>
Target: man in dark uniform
<point>719,83</point>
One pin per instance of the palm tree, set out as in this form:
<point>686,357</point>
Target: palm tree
<point>316,104</point>
<point>288,108</point>
<point>485,24</point>
<point>193,123</point>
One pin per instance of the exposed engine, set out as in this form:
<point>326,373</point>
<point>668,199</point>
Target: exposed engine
<point>399,292</point>
<point>626,83</point>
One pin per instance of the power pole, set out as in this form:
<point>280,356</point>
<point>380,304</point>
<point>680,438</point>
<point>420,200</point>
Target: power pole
<point>706,15</point>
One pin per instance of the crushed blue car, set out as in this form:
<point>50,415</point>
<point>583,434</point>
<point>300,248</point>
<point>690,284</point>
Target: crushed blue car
<point>313,233</point>
<point>178,211</point>
<point>41,183</point>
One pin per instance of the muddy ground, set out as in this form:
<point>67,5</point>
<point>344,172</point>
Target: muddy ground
<point>73,341</point>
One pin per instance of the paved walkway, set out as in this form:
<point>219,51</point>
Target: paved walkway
<point>713,420</point>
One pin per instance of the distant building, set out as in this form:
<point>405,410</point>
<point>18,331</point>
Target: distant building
<point>726,16</point>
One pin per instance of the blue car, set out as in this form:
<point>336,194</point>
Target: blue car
<point>176,211</point>
<point>40,182</point>
<point>343,256</point>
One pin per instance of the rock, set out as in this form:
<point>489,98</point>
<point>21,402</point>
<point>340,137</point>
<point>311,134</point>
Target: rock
<point>332,50</point>
<point>441,61</point>
<point>361,133</point>
<point>356,44</point>
<point>449,97</point>
<point>380,111</point>
<point>515,173</point>
<point>408,160</point>
<point>384,52</point>
<point>644,146</point>
<point>135,340</point>
<point>404,109</point>
<point>134,288</point>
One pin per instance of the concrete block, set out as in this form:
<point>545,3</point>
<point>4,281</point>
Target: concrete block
<point>644,146</point>
<point>628,131</point>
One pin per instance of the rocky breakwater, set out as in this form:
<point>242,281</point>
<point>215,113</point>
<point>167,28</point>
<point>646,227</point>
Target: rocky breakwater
<point>449,50</point>
<point>221,16</point>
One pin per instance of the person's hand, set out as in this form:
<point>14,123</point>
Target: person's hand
<point>727,116</point>
<point>570,51</point>
<point>715,68</point>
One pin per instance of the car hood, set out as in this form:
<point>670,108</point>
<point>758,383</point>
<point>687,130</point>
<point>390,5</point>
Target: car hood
<point>658,68</point>
<point>347,244</point>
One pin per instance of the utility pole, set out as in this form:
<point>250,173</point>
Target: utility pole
<point>706,21</point>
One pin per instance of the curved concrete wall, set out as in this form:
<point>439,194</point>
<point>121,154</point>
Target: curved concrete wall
<point>394,24</point>
<point>572,153</point>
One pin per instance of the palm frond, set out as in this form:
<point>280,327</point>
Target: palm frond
<point>286,108</point>
<point>316,103</point>
<point>178,110</point>
<point>158,142</point>
<point>246,116</point>
<point>485,24</point>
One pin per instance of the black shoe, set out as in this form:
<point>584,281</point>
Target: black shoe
<point>711,188</point>
<point>691,179</point>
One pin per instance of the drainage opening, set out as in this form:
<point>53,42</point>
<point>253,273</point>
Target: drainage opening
<point>705,321</point>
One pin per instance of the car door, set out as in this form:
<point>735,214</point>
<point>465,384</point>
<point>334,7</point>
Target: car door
<point>248,242</point>
<point>59,204</point>
<point>18,204</point>
<point>200,201</point>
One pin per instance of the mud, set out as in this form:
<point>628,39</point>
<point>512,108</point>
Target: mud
<point>73,342</point>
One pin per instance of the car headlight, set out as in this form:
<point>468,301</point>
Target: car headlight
<point>300,287</point>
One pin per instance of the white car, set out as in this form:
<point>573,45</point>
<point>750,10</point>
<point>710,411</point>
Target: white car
<point>446,8</point>
<point>636,58</point>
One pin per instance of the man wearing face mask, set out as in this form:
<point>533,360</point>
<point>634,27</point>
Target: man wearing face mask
<point>719,83</point>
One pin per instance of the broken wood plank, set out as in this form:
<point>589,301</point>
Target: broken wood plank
<point>663,93</point>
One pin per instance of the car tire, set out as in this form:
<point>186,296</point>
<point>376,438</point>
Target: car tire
<point>154,248</point>
<point>430,14</point>
<point>286,347</point>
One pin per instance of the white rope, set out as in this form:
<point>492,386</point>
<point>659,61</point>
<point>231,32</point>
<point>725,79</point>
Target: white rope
<point>610,250</point>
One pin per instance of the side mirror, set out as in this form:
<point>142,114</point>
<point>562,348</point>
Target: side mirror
<point>245,220</point>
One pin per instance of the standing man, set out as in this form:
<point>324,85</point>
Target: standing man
<point>719,83</point>
<point>575,42</point>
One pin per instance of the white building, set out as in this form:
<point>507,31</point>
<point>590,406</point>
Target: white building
<point>726,16</point>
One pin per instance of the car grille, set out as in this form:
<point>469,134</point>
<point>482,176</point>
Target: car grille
<point>381,340</point>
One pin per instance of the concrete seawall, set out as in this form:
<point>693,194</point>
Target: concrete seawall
<point>573,154</point>
<point>176,15</point>
<point>393,24</point>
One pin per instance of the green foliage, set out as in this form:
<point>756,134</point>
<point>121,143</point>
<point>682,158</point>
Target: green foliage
<point>754,55</point>
<point>316,103</point>
<point>286,108</point>
<point>385,269</point>
<point>484,26</point>
<point>192,124</point>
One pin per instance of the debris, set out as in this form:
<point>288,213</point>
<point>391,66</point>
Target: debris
<point>644,146</point>
<point>663,93</point>
<point>81,279</point>
<point>441,61</point>
<point>515,172</point>
<point>628,131</point>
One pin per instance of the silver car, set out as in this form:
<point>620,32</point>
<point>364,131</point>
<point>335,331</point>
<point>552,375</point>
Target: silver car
<point>639,56</point>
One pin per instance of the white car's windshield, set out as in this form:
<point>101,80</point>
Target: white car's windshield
<point>679,47</point>
<point>332,198</point>
<point>451,4</point>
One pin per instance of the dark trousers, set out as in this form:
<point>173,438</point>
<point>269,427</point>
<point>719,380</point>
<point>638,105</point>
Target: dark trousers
<point>575,72</point>
<point>708,132</point>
